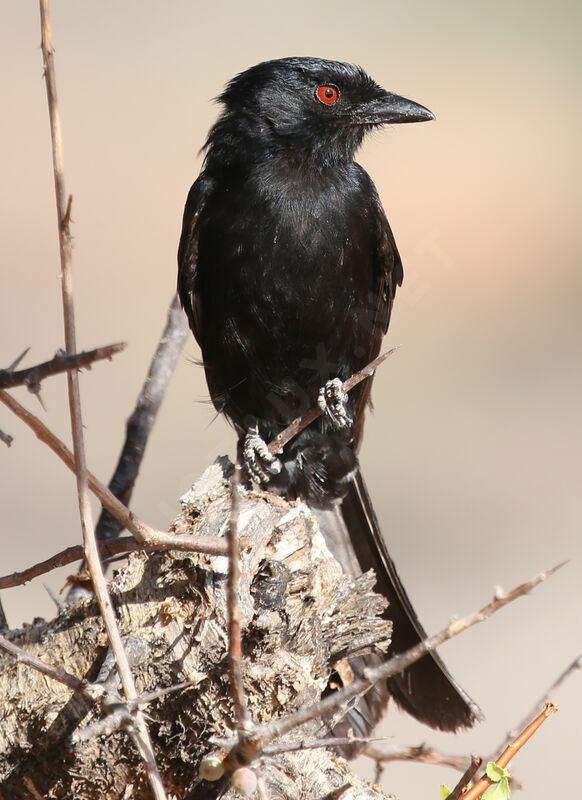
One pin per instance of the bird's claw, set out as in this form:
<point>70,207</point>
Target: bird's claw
<point>332,401</point>
<point>258,459</point>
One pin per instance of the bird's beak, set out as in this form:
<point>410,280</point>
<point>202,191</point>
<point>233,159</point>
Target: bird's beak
<point>390,109</point>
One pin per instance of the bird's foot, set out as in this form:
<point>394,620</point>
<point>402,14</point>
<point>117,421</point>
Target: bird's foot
<point>259,461</point>
<point>333,400</point>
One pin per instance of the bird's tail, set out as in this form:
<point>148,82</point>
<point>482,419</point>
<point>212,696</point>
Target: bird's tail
<point>426,689</point>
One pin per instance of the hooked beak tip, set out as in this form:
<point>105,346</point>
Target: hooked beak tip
<point>400,109</point>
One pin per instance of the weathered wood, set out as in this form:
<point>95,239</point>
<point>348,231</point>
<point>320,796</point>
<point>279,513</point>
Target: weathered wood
<point>300,616</point>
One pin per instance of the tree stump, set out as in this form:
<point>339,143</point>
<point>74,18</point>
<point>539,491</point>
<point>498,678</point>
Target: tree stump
<point>301,618</point>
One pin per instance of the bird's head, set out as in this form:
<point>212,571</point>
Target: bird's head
<point>309,108</point>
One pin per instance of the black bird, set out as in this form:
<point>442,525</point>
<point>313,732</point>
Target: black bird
<point>287,272</point>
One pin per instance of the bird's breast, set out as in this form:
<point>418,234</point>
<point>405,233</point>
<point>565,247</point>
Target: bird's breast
<point>286,262</point>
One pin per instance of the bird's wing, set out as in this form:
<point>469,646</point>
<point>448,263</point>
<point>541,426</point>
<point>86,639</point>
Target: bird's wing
<point>388,266</point>
<point>188,253</point>
<point>388,276</point>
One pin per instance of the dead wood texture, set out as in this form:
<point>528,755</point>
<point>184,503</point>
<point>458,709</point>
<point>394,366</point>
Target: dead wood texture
<point>300,617</point>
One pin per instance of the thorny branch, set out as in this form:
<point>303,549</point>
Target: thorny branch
<point>149,538</point>
<point>115,547</point>
<point>62,362</point>
<point>383,751</point>
<point>265,734</point>
<point>91,553</point>
<point>312,744</point>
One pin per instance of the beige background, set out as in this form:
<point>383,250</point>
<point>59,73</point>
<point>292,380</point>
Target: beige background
<point>475,448</point>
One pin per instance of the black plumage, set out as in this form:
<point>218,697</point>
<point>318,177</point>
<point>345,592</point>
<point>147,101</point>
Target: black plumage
<point>287,271</point>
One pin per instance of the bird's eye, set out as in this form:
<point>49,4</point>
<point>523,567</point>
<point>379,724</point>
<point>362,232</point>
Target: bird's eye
<point>327,94</point>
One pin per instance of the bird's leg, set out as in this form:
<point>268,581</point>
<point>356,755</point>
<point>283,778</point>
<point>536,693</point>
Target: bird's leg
<point>332,400</point>
<point>259,461</point>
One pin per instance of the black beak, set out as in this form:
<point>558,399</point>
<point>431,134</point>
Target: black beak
<point>390,109</point>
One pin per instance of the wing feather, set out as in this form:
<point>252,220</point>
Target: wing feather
<point>389,275</point>
<point>188,253</point>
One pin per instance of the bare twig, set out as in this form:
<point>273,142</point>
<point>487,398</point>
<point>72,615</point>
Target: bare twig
<point>512,749</point>
<point>371,675</point>
<point>67,556</point>
<point>115,547</point>
<point>384,751</point>
<point>118,719</point>
<point>562,677</point>
<point>312,744</point>
<point>148,537</point>
<point>466,778</point>
<point>242,716</point>
<point>93,691</point>
<point>149,697</point>
<point>299,423</point>
<point>141,421</point>
<point>31,377</point>
<point>91,552</point>
<point>546,697</point>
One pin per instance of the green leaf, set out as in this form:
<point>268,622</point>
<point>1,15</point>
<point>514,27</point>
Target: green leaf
<point>445,791</point>
<point>499,791</point>
<point>496,773</point>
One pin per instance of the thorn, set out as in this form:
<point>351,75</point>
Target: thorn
<point>18,360</point>
<point>34,388</point>
<point>6,438</point>
<point>56,600</point>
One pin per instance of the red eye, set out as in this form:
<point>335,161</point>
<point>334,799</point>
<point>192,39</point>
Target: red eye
<point>327,94</point>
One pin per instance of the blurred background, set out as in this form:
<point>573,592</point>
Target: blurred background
<point>474,452</point>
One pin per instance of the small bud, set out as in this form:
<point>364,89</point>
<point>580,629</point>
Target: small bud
<point>211,768</point>
<point>244,781</point>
